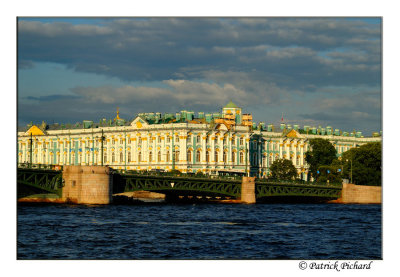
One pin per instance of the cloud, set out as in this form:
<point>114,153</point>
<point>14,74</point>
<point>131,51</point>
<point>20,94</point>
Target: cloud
<point>162,48</point>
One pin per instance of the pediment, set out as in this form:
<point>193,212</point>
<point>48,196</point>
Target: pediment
<point>293,134</point>
<point>222,127</point>
<point>139,122</point>
<point>35,131</point>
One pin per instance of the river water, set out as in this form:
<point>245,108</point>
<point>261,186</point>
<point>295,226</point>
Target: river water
<point>199,231</point>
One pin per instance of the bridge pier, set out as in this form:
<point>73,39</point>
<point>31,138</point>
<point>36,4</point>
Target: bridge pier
<point>87,184</point>
<point>248,195</point>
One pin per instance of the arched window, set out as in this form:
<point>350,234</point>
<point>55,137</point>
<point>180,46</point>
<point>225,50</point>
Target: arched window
<point>121,157</point>
<point>129,156</point>
<point>150,156</point>
<point>177,156</point>
<point>189,155</point>
<point>139,156</point>
<point>168,157</point>
<point>159,156</point>
<point>224,157</point>
<point>241,158</point>
<point>216,156</point>
<point>177,138</point>
<point>198,156</point>
<point>233,156</point>
<point>208,156</point>
<point>198,139</point>
<point>113,157</point>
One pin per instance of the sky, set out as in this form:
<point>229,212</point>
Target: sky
<point>315,71</point>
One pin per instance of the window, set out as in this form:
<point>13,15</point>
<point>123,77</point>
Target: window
<point>177,156</point>
<point>189,156</point>
<point>254,158</point>
<point>121,157</point>
<point>113,141</point>
<point>241,142</point>
<point>129,156</point>
<point>105,142</point>
<point>297,160</point>
<point>168,139</point>
<point>264,159</point>
<point>140,140</point>
<point>224,141</point>
<point>216,156</point>
<point>113,156</point>
<point>207,139</point>
<point>224,157</point>
<point>271,160</point>
<point>233,156</point>
<point>139,156</point>
<point>150,156</point>
<point>121,141</point>
<point>208,156</point>
<point>177,138</point>
<point>159,139</point>
<point>73,158</point>
<point>198,140</point>
<point>44,158</point>
<point>241,157</point>
<point>233,141</point>
<point>198,156</point>
<point>80,157</point>
<point>159,156</point>
<point>189,138</point>
<point>168,156</point>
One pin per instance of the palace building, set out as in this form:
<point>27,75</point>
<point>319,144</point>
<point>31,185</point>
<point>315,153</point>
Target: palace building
<point>213,143</point>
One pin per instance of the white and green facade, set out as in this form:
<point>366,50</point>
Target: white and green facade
<point>181,141</point>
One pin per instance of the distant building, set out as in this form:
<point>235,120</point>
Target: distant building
<point>211,143</point>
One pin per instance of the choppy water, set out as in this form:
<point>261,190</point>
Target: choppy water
<point>201,231</point>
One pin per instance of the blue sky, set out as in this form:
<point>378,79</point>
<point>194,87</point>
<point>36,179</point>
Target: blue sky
<point>316,71</point>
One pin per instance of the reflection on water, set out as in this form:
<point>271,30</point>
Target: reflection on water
<point>206,231</point>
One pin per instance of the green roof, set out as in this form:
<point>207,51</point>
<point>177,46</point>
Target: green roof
<point>231,105</point>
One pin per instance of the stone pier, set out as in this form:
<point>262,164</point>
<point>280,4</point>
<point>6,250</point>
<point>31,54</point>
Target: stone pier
<point>248,190</point>
<point>356,194</point>
<point>87,184</point>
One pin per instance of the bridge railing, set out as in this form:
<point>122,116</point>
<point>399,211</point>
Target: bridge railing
<point>40,166</point>
<point>177,175</point>
<point>295,182</point>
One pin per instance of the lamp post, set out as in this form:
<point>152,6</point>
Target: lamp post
<point>351,170</point>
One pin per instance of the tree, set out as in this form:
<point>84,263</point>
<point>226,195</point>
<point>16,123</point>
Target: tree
<point>329,173</point>
<point>364,164</point>
<point>283,169</point>
<point>322,153</point>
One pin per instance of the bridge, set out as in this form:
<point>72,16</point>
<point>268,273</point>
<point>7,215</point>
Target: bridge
<point>39,180</point>
<point>89,182</point>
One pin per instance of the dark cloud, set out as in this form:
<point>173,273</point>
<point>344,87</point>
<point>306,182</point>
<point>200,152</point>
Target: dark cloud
<point>162,48</point>
<point>318,64</point>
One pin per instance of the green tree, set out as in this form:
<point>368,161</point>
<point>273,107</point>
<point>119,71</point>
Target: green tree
<point>364,164</point>
<point>283,169</point>
<point>322,153</point>
<point>329,173</point>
